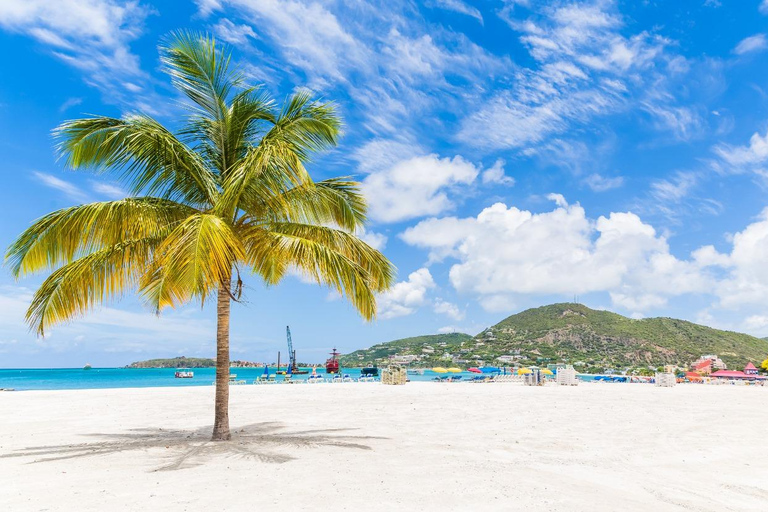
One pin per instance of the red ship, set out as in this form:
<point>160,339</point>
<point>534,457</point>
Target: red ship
<point>332,363</point>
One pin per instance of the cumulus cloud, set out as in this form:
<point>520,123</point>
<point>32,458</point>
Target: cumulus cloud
<point>416,187</point>
<point>505,251</point>
<point>405,297</point>
<point>448,309</point>
<point>751,44</point>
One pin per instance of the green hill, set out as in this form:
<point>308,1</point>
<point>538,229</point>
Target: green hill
<point>439,343</point>
<point>175,362</point>
<point>601,339</point>
<point>573,333</point>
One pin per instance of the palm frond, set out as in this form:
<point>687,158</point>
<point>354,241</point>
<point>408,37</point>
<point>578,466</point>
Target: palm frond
<point>333,201</point>
<point>61,236</point>
<point>328,256</point>
<point>200,69</point>
<point>193,261</point>
<point>152,160</point>
<point>309,126</point>
<point>78,287</point>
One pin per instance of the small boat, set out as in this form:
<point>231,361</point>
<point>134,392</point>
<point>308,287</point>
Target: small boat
<point>184,373</point>
<point>370,371</point>
<point>87,366</point>
<point>415,371</point>
<point>332,363</point>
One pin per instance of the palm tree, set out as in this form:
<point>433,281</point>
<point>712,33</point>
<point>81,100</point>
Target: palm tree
<point>227,194</point>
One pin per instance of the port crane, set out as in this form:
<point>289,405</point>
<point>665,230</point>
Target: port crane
<point>292,353</point>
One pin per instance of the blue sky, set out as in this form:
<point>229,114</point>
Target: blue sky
<point>514,152</point>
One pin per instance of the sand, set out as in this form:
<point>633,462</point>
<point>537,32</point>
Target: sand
<point>423,446</point>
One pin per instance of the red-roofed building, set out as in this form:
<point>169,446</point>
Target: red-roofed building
<point>750,369</point>
<point>735,374</point>
<point>708,363</point>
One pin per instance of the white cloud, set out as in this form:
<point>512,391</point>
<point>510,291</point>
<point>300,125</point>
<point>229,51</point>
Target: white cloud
<point>495,175</point>
<point>233,33</point>
<point>675,188</point>
<point>763,8</point>
<point>416,187</point>
<point>310,36</point>
<point>395,67</point>
<point>405,297</point>
<point>458,6</point>
<point>751,44</point>
<point>744,158</point>
<point>70,190</point>
<point>69,103</point>
<point>90,35</point>
<point>600,183</point>
<point>110,191</point>
<point>448,309</point>
<point>106,328</point>
<point>585,66</point>
<point>376,240</point>
<point>506,251</point>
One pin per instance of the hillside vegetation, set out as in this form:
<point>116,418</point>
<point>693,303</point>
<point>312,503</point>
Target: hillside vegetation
<point>407,346</point>
<point>175,362</point>
<point>573,333</point>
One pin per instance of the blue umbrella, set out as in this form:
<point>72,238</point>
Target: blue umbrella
<point>266,370</point>
<point>489,369</point>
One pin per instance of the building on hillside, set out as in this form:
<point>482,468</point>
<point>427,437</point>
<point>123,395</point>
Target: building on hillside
<point>428,350</point>
<point>702,367</point>
<point>708,363</point>
<point>750,369</point>
<point>407,359</point>
<point>505,359</point>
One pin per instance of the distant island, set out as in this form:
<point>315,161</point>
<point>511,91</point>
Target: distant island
<point>189,362</point>
<point>591,340</point>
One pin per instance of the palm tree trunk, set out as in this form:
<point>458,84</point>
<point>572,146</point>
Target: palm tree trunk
<point>221,421</point>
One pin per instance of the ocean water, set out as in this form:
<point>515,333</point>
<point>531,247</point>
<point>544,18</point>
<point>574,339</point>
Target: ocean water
<point>102,378</point>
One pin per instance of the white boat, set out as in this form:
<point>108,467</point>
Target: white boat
<point>184,373</point>
<point>415,371</point>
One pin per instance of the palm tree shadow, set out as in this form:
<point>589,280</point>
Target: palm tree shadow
<point>264,442</point>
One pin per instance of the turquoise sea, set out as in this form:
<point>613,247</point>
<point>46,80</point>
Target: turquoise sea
<point>101,378</point>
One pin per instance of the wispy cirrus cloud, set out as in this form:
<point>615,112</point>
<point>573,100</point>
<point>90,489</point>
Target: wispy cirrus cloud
<point>76,193</point>
<point>751,44</point>
<point>584,66</point>
<point>93,36</point>
<point>457,6</point>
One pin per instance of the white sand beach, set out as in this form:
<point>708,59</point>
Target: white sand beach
<point>423,446</point>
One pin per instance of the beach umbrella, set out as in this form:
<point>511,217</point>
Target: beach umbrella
<point>523,371</point>
<point>266,369</point>
<point>546,371</point>
<point>474,370</point>
<point>439,369</point>
<point>454,370</point>
<point>489,369</point>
